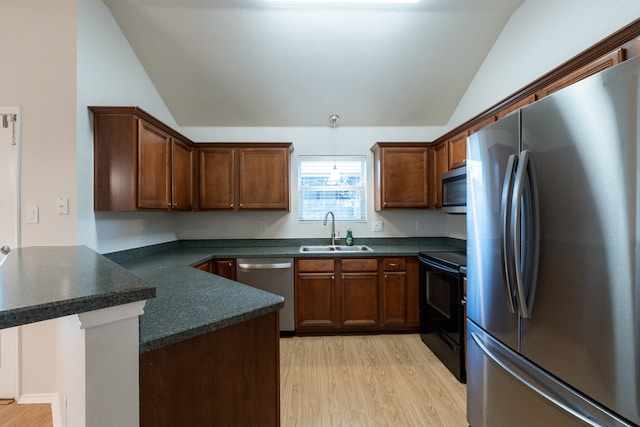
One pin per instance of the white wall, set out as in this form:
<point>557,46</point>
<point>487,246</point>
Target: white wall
<point>541,35</point>
<point>109,73</point>
<point>38,73</point>
<point>311,141</point>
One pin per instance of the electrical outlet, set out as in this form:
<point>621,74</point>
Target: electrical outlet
<point>419,226</point>
<point>378,226</point>
<point>263,226</point>
<point>62,203</point>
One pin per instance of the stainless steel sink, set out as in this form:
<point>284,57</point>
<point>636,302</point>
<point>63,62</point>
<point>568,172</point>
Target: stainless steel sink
<point>335,248</point>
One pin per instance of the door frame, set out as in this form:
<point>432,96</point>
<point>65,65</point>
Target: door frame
<point>10,337</point>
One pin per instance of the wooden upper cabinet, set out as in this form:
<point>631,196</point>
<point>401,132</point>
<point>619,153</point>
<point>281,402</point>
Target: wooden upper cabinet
<point>181,175</point>
<point>401,175</point>
<point>154,175</point>
<point>602,63</point>
<point>457,151</point>
<point>254,176</point>
<point>217,178</point>
<point>139,163</point>
<point>263,178</point>
<point>165,170</point>
<point>440,166</point>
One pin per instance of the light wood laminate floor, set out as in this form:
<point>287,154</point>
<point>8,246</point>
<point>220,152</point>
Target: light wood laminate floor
<point>373,380</point>
<point>21,415</point>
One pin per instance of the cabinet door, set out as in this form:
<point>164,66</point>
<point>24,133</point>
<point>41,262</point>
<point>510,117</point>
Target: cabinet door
<point>457,151</point>
<point>217,178</point>
<point>181,176</point>
<point>602,63</point>
<point>440,166</point>
<point>263,178</point>
<point>359,300</point>
<point>225,268</point>
<point>154,186</point>
<point>394,290</point>
<point>404,177</point>
<point>316,301</point>
<point>205,266</point>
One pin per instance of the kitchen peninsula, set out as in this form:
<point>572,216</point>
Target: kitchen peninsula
<point>95,305</point>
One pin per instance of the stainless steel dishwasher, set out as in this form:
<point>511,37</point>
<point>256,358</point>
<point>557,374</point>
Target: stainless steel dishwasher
<point>273,275</point>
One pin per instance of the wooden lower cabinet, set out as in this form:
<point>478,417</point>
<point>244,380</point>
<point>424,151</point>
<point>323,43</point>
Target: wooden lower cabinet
<point>205,266</point>
<point>228,377</point>
<point>316,295</point>
<point>352,295</point>
<point>394,291</point>
<point>224,267</point>
<point>359,293</point>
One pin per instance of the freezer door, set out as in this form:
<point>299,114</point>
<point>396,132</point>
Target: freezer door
<point>489,303</point>
<point>508,390</point>
<point>585,324</point>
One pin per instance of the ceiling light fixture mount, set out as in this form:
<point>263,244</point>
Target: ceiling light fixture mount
<point>347,1</point>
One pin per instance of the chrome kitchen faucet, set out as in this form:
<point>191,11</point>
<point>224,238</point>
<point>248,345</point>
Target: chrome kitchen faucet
<point>333,226</point>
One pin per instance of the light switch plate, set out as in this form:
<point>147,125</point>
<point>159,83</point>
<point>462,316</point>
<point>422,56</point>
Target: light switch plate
<point>32,214</point>
<point>378,226</point>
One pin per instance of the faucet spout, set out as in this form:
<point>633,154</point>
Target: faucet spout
<point>333,226</point>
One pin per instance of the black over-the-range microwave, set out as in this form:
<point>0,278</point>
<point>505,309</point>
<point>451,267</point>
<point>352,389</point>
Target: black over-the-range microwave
<point>454,191</point>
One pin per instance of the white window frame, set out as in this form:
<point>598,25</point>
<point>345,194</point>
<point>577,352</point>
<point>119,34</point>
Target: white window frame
<point>307,213</point>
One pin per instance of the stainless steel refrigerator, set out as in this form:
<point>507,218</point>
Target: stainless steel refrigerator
<point>553,259</point>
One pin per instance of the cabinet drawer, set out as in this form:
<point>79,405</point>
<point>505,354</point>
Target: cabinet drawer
<point>316,265</point>
<point>369,264</point>
<point>394,264</point>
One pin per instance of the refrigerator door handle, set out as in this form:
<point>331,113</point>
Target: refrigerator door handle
<point>546,386</point>
<point>525,252</point>
<point>505,235</point>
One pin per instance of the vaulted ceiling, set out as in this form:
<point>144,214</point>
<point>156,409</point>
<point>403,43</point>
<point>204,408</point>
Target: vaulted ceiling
<point>256,63</point>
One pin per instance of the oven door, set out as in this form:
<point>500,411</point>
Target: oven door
<point>441,314</point>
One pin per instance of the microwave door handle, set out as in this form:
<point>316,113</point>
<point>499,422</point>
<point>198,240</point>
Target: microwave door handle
<point>505,234</point>
<point>525,184</point>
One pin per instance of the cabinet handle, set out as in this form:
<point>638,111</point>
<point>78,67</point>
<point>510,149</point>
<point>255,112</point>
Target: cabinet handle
<point>231,205</point>
<point>393,264</point>
<point>230,264</point>
<point>386,276</point>
<point>384,204</point>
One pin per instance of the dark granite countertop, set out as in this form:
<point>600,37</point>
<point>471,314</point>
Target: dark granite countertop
<point>191,302</point>
<point>42,283</point>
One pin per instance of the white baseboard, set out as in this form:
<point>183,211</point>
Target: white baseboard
<point>50,398</point>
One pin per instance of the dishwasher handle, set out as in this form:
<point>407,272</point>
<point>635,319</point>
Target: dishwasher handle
<point>265,266</point>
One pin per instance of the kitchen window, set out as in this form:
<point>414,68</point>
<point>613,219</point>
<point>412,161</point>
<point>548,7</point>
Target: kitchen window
<point>332,183</point>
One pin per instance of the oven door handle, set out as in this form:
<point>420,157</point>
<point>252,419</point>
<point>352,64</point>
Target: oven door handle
<point>437,266</point>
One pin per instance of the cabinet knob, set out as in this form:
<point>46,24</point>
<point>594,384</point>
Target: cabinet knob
<point>384,204</point>
<point>386,276</point>
<point>333,277</point>
<point>230,264</point>
<point>240,204</point>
